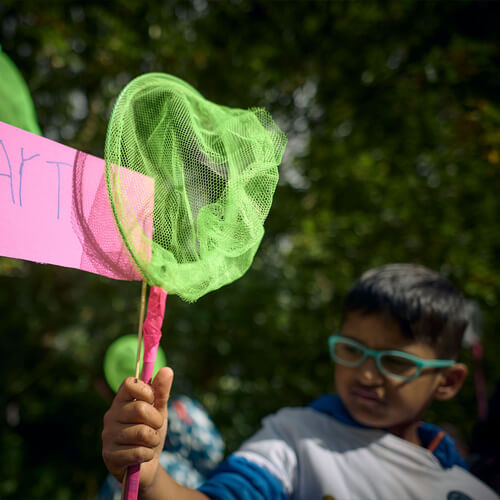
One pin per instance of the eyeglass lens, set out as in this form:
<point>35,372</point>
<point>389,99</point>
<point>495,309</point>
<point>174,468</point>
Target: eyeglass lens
<point>350,354</point>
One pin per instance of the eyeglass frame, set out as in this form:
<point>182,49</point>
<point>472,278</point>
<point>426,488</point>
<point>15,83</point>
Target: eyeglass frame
<point>377,355</point>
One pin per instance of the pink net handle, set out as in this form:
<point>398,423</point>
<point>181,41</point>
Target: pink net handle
<point>151,336</point>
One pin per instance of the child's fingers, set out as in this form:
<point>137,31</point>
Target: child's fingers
<point>137,435</point>
<point>124,456</point>
<point>127,436</point>
<point>139,412</point>
<point>133,388</point>
<point>162,384</point>
<point>130,413</point>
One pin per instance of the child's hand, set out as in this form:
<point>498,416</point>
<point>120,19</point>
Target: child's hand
<point>136,425</point>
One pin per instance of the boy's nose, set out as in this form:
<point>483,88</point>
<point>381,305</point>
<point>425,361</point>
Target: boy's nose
<point>369,372</point>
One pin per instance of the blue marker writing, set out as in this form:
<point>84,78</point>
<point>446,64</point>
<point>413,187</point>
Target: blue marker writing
<point>9,175</point>
<point>58,164</point>
<point>23,161</point>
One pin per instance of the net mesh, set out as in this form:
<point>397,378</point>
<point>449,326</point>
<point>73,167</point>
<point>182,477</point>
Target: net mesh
<point>215,171</point>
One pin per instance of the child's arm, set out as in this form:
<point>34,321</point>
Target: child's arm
<point>134,432</point>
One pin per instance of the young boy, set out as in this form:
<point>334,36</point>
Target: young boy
<point>396,351</point>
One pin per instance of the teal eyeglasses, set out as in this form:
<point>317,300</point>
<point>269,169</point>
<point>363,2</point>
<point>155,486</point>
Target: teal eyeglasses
<point>399,365</point>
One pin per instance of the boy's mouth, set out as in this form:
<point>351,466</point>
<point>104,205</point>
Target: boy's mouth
<point>366,396</point>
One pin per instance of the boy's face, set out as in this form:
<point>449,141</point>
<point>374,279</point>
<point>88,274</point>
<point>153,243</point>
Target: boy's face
<point>373,399</point>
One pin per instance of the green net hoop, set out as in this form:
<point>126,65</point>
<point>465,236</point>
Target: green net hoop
<point>215,171</point>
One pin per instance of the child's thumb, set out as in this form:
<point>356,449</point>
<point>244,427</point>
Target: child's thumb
<point>162,384</point>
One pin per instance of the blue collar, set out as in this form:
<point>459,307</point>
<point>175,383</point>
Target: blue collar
<point>446,451</point>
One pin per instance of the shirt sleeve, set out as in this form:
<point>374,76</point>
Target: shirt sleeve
<point>239,479</point>
<point>263,468</point>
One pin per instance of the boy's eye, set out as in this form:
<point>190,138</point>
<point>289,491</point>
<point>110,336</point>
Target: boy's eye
<point>398,365</point>
<point>348,351</point>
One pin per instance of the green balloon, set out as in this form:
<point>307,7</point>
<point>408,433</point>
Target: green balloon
<point>120,360</point>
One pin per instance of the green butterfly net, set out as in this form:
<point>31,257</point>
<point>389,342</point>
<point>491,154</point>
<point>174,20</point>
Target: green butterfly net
<point>215,171</point>
<point>16,105</point>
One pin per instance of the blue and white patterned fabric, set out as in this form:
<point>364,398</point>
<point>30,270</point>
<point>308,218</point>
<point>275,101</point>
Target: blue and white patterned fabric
<point>192,435</point>
<point>193,448</point>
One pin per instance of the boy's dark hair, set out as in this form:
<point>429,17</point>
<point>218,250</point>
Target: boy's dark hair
<point>427,307</point>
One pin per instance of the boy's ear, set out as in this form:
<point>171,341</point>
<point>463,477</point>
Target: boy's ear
<point>452,379</point>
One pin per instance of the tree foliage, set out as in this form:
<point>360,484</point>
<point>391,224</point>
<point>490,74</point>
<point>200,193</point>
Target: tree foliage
<point>393,118</point>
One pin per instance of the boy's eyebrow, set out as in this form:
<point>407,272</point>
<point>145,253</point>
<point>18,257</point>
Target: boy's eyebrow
<point>389,348</point>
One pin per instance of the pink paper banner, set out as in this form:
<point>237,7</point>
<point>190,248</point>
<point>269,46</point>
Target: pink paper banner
<point>55,209</point>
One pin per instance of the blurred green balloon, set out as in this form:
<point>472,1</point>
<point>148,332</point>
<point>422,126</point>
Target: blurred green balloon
<point>16,104</point>
<point>120,360</point>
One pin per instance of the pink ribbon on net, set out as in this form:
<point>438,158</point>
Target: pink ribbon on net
<point>151,337</point>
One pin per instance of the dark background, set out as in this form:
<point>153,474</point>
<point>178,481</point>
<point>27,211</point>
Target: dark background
<point>392,113</point>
